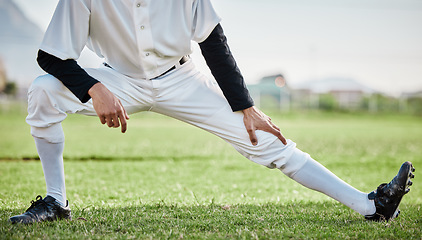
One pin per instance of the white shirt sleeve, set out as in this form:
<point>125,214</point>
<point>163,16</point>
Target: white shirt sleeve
<point>67,34</point>
<point>204,20</point>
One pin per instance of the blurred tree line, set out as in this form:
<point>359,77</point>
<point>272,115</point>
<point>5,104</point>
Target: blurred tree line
<point>6,87</point>
<point>375,103</point>
<point>10,88</point>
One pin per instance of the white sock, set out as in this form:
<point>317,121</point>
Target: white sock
<point>51,155</point>
<point>315,176</point>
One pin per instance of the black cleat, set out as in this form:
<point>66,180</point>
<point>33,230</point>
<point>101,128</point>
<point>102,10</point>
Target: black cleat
<point>387,197</point>
<point>47,209</point>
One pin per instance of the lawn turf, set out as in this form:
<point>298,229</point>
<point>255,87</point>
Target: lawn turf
<point>165,179</point>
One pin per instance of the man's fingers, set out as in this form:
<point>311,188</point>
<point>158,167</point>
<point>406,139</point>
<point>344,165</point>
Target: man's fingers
<point>116,119</point>
<point>108,107</point>
<point>273,129</point>
<point>116,123</point>
<point>278,134</point>
<point>251,131</point>
<point>254,119</point>
<point>124,125</point>
<point>126,116</point>
<point>276,131</point>
<point>109,121</point>
<point>252,136</point>
<point>122,118</point>
<point>282,138</point>
<point>112,120</point>
<point>275,126</point>
<point>102,119</point>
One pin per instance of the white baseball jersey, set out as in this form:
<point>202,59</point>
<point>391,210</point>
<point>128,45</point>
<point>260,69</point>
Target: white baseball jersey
<point>138,38</point>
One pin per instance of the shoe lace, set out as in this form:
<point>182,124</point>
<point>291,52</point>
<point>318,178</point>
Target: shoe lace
<point>36,204</point>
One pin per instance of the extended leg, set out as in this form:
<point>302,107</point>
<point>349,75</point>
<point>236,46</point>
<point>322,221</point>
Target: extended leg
<point>315,176</point>
<point>188,96</point>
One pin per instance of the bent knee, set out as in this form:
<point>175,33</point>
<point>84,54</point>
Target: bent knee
<point>269,152</point>
<point>42,97</point>
<point>45,84</point>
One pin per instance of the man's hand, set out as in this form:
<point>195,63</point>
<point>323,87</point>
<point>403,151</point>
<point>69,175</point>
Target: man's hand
<point>108,107</point>
<point>254,119</point>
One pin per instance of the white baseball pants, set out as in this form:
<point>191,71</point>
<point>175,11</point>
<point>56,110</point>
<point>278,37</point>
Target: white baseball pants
<point>189,96</point>
<point>184,94</point>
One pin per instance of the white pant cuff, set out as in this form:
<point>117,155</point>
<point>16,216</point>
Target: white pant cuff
<point>52,134</point>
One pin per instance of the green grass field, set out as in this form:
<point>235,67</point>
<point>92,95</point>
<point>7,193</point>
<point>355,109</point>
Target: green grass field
<point>167,180</point>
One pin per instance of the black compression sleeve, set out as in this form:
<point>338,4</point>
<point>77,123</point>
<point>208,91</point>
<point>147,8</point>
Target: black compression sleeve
<point>224,69</point>
<point>69,73</point>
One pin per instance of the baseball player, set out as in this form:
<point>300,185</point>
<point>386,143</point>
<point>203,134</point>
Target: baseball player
<point>146,46</point>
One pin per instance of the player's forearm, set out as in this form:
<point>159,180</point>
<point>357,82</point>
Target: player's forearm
<point>69,72</point>
<point>224,69</point>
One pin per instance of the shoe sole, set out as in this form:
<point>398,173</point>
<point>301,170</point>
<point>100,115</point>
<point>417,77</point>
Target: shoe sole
<point>409,172</point>
<point>410,175</point>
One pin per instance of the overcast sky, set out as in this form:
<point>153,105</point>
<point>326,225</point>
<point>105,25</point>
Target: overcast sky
<point>376,42</point>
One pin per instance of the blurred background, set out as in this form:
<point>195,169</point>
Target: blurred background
<point>332,55</point>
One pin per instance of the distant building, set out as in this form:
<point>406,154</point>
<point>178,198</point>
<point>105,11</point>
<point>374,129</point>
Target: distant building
<point>407,95</point>
<point>347,92</point>
<point>273,91</point>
